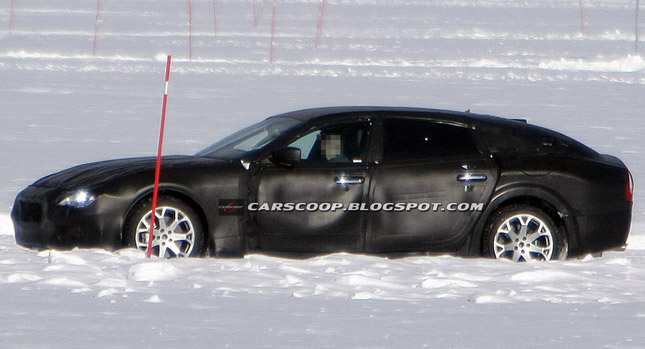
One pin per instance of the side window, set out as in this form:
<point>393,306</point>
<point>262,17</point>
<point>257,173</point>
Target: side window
<point>409,139</point>
<point>306,144</point>
<point>334,144</point>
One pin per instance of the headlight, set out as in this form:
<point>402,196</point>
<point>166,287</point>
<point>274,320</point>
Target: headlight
<point>77,199</point>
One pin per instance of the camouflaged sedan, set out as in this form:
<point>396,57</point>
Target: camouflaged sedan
<point>353,179</point>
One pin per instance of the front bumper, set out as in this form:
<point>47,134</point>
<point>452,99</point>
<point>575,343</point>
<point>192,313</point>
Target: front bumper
<point>40,223</point>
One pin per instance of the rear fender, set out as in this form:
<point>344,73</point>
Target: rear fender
<point>525,193</point>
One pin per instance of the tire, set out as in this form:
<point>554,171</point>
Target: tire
<point>522,233</point>
<point>178,228</point>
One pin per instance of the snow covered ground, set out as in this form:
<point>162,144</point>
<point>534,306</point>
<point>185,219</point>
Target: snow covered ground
<point>62,104</point>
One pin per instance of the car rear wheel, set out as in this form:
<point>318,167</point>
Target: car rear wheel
<point>178,231</point>
<point>522,233</point>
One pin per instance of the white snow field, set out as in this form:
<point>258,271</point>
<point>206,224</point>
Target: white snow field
<point>66,99</point>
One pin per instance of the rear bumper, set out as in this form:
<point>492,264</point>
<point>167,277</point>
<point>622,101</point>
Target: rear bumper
<point>600,232</point>
<point>618,249</point>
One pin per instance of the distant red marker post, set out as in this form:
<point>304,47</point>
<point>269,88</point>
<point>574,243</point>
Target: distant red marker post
<point>12,18</point>
<point>96,26</point>
<point>638,6</point>
<point>272,33</point>
<point>257,12</point>
<point>155,193</point>
<point>215,16</point>
<point>582,17</point>
<point>321,21</point>
<point>189,5</point>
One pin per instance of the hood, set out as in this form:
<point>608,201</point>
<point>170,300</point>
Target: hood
<point>97,173</point>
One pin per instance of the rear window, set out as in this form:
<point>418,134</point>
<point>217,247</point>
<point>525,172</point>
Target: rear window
<point>410,139</point>
<point>531,139</point>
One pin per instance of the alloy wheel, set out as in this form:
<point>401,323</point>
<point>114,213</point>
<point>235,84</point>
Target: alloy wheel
<point>174,235</point>
<point>523,238</point>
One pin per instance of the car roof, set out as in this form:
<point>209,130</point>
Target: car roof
<point>512,126</point>
<point>314,113</point>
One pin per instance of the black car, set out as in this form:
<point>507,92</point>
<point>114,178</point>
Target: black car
<point>355,179</point>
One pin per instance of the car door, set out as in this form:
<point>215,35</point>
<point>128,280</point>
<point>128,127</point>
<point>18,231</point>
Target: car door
<point>434,170</point>
<point>300,206</point>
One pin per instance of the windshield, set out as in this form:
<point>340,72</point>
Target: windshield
<point>248,140</point>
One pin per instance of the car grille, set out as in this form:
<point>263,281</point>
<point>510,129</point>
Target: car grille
<point>30,212</point>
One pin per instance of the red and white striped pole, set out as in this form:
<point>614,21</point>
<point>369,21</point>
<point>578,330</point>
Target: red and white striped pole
<point>96,27</point>
<point>12,16</point>
<point>272,32</point>
<point>155,192</point>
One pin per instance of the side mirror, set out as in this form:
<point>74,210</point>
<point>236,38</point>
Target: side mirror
<point>286,156</point>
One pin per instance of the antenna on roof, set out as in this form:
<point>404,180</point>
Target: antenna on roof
<point>467,111</point>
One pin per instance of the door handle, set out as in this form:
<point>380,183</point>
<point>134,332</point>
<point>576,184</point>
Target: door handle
<point>346,180</point>
<point>467,177</point>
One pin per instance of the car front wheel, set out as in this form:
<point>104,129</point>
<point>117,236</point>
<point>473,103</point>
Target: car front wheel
<point>522,233</point>
<point>178,231</point>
